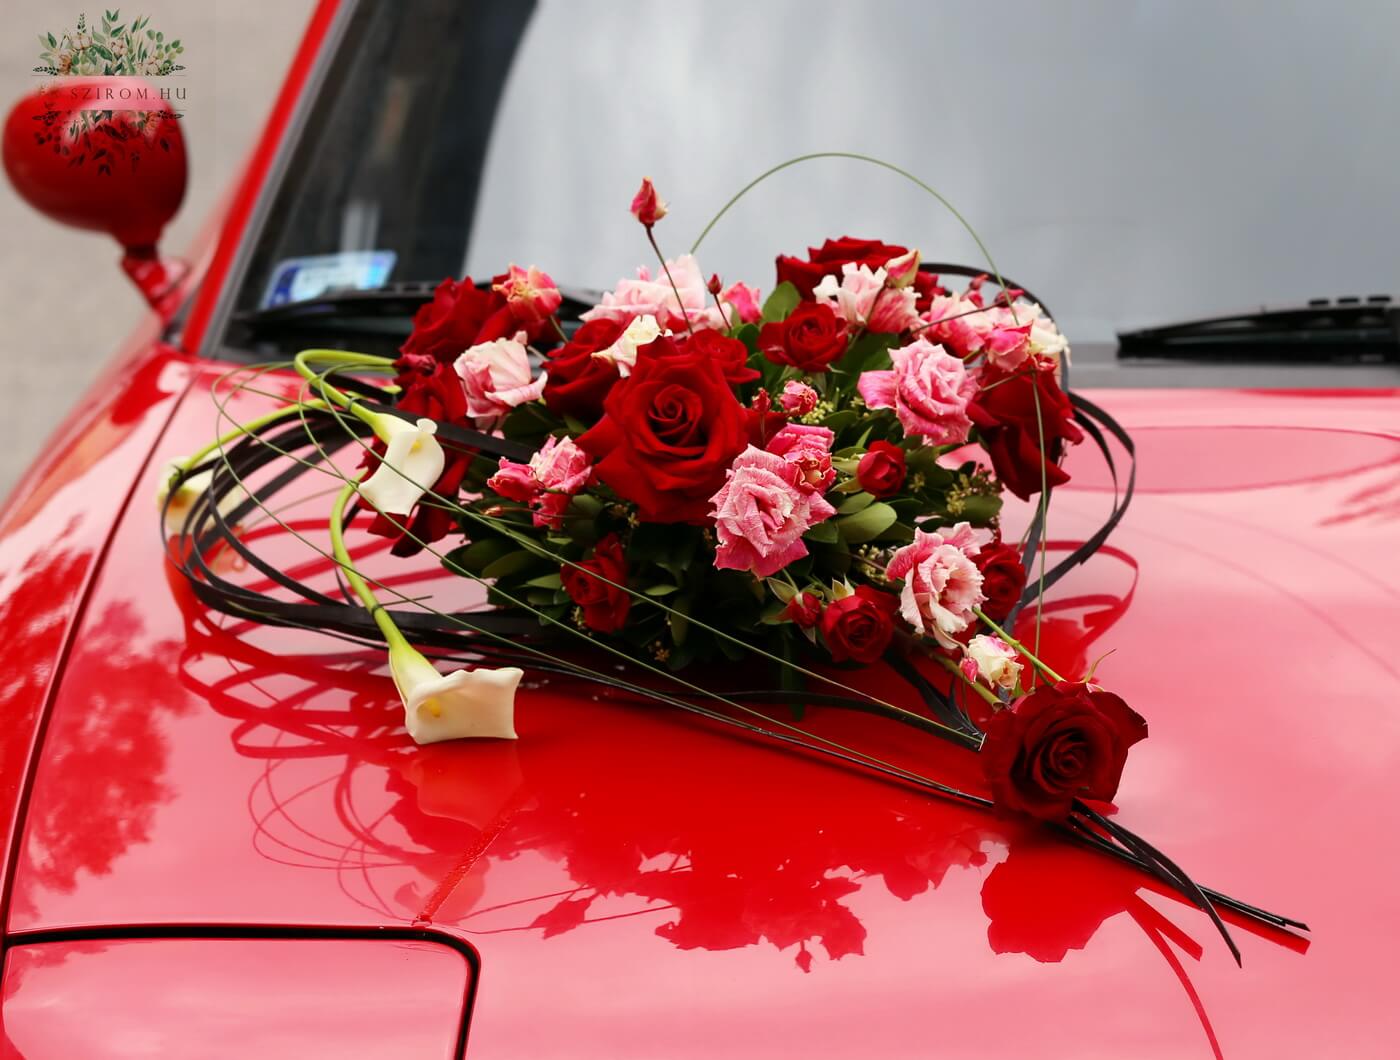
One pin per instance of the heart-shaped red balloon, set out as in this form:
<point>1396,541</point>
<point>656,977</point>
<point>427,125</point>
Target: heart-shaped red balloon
<point>118,171</point>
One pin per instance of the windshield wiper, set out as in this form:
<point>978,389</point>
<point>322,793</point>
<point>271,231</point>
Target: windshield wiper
<point>1344,331</point>
<point>384,314</point>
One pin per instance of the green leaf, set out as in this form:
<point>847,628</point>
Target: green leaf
<point>546,581</point>
<point>53,43</point>
<point>679,623</point>
<point>824,533</point>
<point>866,524</point>
<point>661,590</point>
<point>477,556</point>
<point>839,421</point>
<point>856,503</point>
<point>511,563</point>
<point>781,302</point>
<point>980,510</point>
<point>781,589</point>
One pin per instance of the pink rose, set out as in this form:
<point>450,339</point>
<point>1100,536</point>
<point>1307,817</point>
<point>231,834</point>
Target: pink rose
<point>654,297</point>
<point>496,378</point>
<point>941,582</point>
<point>798,399</point>
<point>530,294</point>
<point>745,301</point>
<point>864,298</point>
<point>928,388</point>
<point>762,512</point>
<point>809,450</point>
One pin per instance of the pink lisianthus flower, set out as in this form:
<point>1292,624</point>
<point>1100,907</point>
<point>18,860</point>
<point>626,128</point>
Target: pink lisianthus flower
<point>496,378</point>
<point>762,512</point>
<point>646,295</point>
<point>747,305</point>
<point>929,390</point>
<point>797,399</point>
<point>530,294</point>
<point>515,481</point>
<point>1008,344</point>
<point>957,324</point>
<point>554,474</point>
<point>942,584</point>
<point>993,660</point>
<point>864,298</point>
<point>808,448</point>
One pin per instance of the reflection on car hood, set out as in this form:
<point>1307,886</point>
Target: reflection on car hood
<point>640,883</point>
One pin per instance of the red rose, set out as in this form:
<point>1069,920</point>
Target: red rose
<point>730,354</point>
<point>1004,412</point>
<point>881,470</point>
<point>1059,743</point>
<point>804,609</point>
<point>828,259</point>
<point>859,626</point>
<point>669,433</point>
<point>460,315</point>
<point>810,338</point>
<point>604,606</point>
<point>1003,579</point>
<point>576,382</point>
<point>431,389</point>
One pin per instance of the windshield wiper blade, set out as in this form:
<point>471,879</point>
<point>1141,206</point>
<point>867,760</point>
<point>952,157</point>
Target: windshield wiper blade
<point>1344,331</point>
<point>385,310</point>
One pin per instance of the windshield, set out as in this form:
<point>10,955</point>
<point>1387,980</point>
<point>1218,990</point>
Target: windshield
<point>1133,164</point>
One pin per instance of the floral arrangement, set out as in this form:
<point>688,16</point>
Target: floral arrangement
<point>688,473</point>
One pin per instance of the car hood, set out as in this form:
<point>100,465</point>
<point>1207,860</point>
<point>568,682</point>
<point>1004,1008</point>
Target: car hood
<point>639,883</point>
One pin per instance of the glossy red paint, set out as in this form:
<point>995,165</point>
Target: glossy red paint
<point>234,998</point>
<point>640,883</point>
<point>132,198</point>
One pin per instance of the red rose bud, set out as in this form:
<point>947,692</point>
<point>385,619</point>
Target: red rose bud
<point>900,271</point>
<point>604,606</point>
<point>1003,579</point>
<point>647,206</point>
<point>1012,412</point>
<point>859,627</point>
<point>714,286</point>
<point>881,470</point>
<point>1059,743</point>
<point>811,338</point>
<point>803,609</point>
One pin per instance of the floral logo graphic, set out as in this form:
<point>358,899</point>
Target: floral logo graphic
<point>104,122</point>
<point>114,49</point>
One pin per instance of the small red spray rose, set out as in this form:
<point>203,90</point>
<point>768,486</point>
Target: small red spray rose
<point>647,206</point>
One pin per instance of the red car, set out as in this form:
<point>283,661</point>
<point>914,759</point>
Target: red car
<point>220,842</point>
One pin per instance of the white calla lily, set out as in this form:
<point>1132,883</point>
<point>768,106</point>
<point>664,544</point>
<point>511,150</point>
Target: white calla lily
<point>412,462</point>
<point>186,495</point>
<point>464,703</point>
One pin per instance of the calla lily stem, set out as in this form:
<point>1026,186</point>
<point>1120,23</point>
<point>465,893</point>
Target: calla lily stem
<point>392,636</point>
